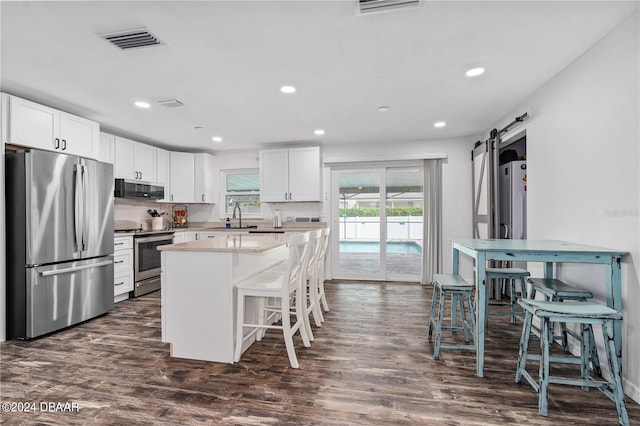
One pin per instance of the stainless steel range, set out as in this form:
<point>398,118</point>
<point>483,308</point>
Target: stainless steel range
<point>146,259</point>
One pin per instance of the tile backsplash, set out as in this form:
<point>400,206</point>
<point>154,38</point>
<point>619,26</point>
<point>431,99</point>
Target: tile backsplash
<point>133,213</point>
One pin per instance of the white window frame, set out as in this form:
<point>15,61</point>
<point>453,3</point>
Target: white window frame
<point>225,193</point>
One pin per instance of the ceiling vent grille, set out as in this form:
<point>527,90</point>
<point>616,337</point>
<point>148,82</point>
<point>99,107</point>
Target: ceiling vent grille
<point>132,39</point>
<point>372,6</point>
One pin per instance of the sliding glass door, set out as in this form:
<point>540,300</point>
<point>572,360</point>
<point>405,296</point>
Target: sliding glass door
<point>378,216</point>
<point>404,223</point>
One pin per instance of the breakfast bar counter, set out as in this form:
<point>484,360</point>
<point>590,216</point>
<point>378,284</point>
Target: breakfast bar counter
<point>198,290</point>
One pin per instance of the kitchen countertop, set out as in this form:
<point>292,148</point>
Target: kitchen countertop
<point>234,243</point>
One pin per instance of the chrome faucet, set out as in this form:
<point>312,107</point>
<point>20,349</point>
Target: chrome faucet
<point>239,215</point>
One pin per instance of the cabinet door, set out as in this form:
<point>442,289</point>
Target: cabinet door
<point>124,166</point>
<point>107,148</point>
<point>179,237</point>
<point>163,172</point>
<point>79,136</point>
<point>274,175</point>
<point>145,161</point>
<point>33,125</point>
<point>204,178</point>
<point>181,178</point>
<point>190,236</point>
<point>304,174</point>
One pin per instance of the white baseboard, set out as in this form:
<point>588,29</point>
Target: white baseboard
<point>631,390</point>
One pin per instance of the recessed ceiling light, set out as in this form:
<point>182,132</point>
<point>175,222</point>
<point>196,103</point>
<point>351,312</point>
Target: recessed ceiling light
<point>318,132</point>
<point>141,104</point>
<point>439,124</point>
<point>288,89</point>
<point>216,139</point>
<point>474,72</point>
<point>383,109</point>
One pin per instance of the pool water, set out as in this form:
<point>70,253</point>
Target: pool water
<point>374,247</point>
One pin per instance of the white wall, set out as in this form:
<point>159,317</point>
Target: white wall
<point>582,170</point>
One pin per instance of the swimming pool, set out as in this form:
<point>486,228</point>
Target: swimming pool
<point>408,247</point>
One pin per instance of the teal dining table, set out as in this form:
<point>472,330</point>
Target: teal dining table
<point>548,252</point>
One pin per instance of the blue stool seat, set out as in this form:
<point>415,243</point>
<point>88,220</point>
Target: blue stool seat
<point>586,314</point>
<point>513,275</point>
<point>460,291</point>
<point>556,290</point>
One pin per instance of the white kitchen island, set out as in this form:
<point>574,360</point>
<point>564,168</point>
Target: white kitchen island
<point>198,290</point>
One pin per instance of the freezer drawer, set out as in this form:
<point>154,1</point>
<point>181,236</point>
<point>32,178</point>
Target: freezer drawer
<point>57,296</point>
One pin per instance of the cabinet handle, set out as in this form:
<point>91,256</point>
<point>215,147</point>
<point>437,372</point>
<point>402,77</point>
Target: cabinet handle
<point>56,145</point>
<point>119,261</point>
<point>290,197</point>
<point>285,196</point>
<point>64,144</point>
<point>120,283</point>
<point>202,197</point>
<point>211,236</point>
<point>171,197</point>
<point>197,236</point>
<point>140,175</point>
<point>118,244</point>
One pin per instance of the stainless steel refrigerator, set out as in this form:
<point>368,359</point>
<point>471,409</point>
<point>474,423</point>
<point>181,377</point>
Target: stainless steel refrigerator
<point>512,179</point>
<point>59,225</point>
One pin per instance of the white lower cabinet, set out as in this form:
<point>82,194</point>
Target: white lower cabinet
<point>178,237</point>
<point>122,267</point>
<point>199,235</point>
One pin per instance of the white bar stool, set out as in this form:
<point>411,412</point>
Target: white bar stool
<point>282,284</point>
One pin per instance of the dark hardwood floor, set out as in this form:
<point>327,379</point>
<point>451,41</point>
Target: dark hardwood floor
<point>369,364</point>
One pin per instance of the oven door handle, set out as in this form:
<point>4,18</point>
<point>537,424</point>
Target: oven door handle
<point>154,238</point>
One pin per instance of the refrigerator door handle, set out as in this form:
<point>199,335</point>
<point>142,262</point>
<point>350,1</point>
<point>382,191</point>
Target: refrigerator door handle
<point>75,268</point>
<point>85,222</point>
<point>77,213</point>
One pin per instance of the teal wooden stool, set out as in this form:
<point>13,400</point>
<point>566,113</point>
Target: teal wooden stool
<point>586,314</point>
<point>513,275</point>
<point>460,291</point>
<point>556,290</point>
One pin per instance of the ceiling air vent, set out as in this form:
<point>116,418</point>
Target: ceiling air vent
<point>371,6</point>
<point>132,39</point>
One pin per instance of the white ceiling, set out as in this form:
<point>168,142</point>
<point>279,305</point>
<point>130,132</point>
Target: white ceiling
<point>226,60</point>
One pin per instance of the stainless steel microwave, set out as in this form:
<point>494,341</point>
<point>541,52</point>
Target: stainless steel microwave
<point>125,188</point>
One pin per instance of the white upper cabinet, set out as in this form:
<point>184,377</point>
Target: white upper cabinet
<point>291,174</point>
<point>134,160</point>
<point>181,177</point>
<point>37,126</point>
<point>163,172</point>
<point>204,178</point>
<point>107,153</point>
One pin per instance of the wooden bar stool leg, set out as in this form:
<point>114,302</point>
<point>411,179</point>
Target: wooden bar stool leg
<point>512,300</point>
<point>616,371</point>
<point>593,354</point>
<point>436,352</point>
<point>464,319</point>
<point>454,311</point>
<point>434,305</point>
<point>585,353</point>
<point>524,346</point>
<point>543,393</point>
<point>472,314</point>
